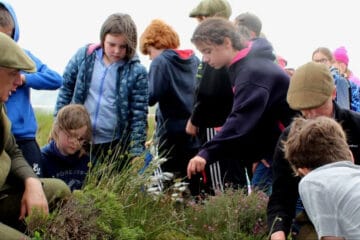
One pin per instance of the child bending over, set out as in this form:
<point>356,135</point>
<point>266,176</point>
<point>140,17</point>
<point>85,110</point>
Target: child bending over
<point>318,150</point>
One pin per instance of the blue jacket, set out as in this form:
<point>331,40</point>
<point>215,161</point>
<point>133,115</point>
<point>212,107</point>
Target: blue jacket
<point>251,130</point>
<point>71,169</point>
<point>132,95</point>
<point>19,109</point>
<point>347,92</point>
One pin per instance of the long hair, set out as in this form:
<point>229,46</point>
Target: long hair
<point>72,117</point>
<point>214,30</point>
<point>121,23</point>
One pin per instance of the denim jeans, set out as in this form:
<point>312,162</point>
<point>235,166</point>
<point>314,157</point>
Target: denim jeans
<point>262,177</point>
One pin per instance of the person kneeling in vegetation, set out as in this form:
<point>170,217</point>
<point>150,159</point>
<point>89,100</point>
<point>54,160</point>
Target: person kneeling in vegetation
<point>318,150</point>
<point>66,156</point>
<point>21,191</point>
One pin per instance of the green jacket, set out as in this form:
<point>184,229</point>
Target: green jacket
<point>12,161</point>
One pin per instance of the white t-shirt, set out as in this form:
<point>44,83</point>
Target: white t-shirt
<point>331,197</point>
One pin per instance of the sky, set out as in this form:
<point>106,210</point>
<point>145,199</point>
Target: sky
<point>54,30</point>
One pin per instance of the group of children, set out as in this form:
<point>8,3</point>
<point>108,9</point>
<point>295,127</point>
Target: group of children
<point>210,113</point>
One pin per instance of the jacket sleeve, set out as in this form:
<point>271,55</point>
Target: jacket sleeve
<point>70,75</point>
<point>44,78</point>
<point>20,169</point>
<point>249,105</point>
<point>282,202</point>
<point>139,98</point>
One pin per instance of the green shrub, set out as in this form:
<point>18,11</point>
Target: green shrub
<point>116,205</point>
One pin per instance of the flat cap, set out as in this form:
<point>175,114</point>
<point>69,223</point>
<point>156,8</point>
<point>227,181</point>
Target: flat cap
<point>13,56</point>
<point>310,86</point>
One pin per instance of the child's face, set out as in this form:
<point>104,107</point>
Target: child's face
<point>216,56</point>
<point>71,141</point>
<point>114,48</point>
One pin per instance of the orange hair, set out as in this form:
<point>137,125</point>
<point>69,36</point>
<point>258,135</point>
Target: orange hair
<point>159,35</point>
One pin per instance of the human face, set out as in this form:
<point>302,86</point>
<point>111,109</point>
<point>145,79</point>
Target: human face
<point>319,57</point>
<point>9,80</point>
<point>114,48</point>
<point>216,56</point>
<point>154,52</point>
<point>324,110</point>
<point>71,141</point>
<point>340,66</point>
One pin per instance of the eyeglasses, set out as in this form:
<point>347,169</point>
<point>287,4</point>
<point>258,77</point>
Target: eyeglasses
<point>321,60</point>
<point>70,138</point>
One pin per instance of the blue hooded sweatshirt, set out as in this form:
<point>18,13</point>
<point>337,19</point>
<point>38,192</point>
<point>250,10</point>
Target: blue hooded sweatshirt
<point>19,109</point>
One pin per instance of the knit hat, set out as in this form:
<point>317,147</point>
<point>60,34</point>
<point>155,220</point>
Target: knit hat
<point>12,56</point>
<point>310,86</point>
<point>251,21</point>
<point>212,8</point>
<point>340,55</point>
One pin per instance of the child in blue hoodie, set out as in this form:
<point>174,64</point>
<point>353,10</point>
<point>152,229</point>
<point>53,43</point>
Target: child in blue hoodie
<point>18,107</point>
<point>66,155</point>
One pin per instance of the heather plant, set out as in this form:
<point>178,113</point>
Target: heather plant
<point>231,215</point>
<point>120,205</point>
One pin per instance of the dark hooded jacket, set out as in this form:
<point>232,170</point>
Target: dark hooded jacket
<point>172,86</point>
<point>259,110</point>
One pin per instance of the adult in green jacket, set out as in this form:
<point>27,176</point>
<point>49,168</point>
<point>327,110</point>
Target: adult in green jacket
<point>21,191</point>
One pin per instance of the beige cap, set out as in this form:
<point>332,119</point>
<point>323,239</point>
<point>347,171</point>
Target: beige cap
<point>310,86</point>
<point>212,8</point>
<point>12,56</point>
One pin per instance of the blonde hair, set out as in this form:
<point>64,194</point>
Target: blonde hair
<point>72,117</point>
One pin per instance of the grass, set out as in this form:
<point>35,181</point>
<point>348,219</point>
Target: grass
<point>116,205</point>
<point>45,120</point>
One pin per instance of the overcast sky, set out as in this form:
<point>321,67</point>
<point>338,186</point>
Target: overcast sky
<point>53,30</point>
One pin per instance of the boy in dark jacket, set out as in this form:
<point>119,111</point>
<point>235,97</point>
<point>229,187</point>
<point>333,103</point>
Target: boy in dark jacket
<point>213,95</point>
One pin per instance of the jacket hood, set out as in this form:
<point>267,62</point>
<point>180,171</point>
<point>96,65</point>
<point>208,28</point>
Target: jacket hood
<point>16,34</point>
<point>183,59</point>
<point>262,48</point>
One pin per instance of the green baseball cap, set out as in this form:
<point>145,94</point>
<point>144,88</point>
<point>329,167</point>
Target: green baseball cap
<point>12,56</point>
<point>310,86</point>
